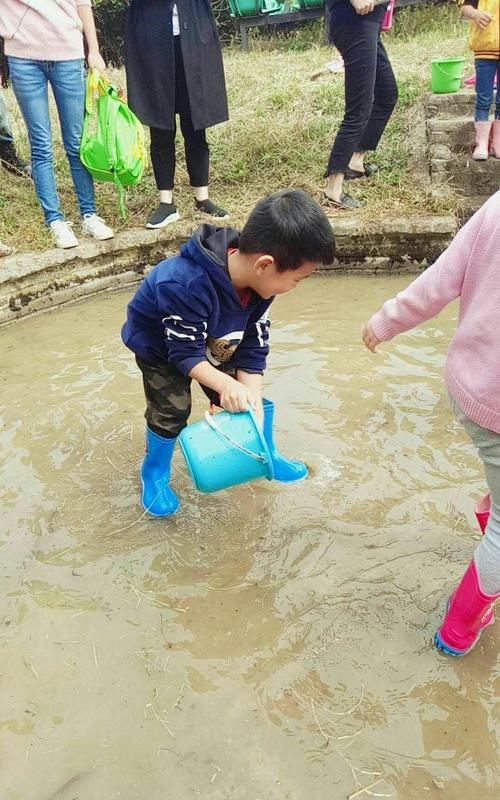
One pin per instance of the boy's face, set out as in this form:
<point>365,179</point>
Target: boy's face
<point>270,282</point>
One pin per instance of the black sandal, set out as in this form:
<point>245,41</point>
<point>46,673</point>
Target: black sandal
<point>354,174</point>
<point>346,202</point>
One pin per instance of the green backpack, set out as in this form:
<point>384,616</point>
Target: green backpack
<point>112,146</point>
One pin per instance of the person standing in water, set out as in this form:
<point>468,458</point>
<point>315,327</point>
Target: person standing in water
<point>173,62</point>
<point>469,270</point>
<point>371,93</point>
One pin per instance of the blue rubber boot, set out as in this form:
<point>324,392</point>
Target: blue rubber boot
<point>284,470</point>
<point>158,498</point>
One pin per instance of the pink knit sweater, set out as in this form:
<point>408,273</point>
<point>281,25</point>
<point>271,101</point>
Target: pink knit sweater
<point>468,269</point>
<point>42,30</point>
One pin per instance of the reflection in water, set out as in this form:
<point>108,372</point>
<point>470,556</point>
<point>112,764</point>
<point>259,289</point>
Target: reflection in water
<point>269,642</point>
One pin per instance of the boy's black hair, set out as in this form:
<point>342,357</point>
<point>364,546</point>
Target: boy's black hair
<point>291,227</point>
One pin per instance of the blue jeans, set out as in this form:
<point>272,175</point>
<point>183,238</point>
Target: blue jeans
<point>30,80</point>
<point>5,129</point>
<point>486,69</point>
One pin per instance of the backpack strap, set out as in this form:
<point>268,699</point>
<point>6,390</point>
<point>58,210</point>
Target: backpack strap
<point>113,111</point>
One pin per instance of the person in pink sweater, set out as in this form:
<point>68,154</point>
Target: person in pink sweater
<point>43,42</point>
<point>469,270</point>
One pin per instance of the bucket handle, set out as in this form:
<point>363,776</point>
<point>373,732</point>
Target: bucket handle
<point>211,422</point>
<point>441,69</point>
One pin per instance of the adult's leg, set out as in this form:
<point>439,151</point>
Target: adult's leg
<point>385,97</point>
<point>195,141</point>
<point>30,81</point>
<point>6,136</point>
<point>163,158</point>
<point>67,79</point>
<point>357,41</point>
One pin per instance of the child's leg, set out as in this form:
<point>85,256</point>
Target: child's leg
<point>470,608</point>
<point>497,105</point>
<point>486,70</point>
<point>487,554</point>
<point>168,397</point>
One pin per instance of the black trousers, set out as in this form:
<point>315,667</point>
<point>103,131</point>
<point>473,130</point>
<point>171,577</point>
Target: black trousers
<point>195,142</point>
<point>371,91</point>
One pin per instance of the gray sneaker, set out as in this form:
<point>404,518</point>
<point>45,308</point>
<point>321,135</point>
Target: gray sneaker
<point>162,216</point>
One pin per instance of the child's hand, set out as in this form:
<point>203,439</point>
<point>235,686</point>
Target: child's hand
<point>236,397</point>
<point>483,19</point>
<point>369,338</point>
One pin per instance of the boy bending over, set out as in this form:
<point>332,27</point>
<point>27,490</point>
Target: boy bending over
<point>203,315</point>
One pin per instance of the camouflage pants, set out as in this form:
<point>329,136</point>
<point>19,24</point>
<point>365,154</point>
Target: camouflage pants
<point>168,397</point>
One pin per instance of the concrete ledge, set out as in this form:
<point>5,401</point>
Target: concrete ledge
<point>34,282</point>
<point>459,104</point>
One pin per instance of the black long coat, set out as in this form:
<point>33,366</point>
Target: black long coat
<point>149,62</point>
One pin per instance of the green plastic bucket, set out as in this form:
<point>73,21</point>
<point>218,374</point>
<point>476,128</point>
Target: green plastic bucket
<point>447,74</point>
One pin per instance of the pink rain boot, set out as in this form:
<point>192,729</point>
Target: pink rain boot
<point>495,138</point>
<point>482,512</point>
<point>482,141</point>
<point>469,612</point>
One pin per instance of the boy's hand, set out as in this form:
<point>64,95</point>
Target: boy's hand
<point>483,19</point>
<point>236,397</point>
<point>369,338</point>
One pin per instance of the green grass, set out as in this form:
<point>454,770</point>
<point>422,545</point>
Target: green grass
<point>280,133</point>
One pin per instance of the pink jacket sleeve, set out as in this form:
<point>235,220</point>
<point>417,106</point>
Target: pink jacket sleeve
<point>431,291</point>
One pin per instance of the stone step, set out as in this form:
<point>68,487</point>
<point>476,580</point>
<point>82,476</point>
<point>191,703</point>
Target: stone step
<point>455,133</point>
<point>469,205</point>
<point>460,104</point>
<point>474,178</point>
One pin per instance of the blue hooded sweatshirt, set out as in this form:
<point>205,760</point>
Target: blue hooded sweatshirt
<point>187,310</point>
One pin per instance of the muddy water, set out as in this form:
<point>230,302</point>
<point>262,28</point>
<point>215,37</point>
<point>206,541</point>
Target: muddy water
<point>269,643</point>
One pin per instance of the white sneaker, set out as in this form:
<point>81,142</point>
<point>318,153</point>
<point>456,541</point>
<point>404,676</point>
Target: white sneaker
<point>62,233</point>
<point>94,226</point>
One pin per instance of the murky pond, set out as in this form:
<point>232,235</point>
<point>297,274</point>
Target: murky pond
<point>269,642</point>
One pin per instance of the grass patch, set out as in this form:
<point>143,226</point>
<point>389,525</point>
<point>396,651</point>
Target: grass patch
<point>281,129</point>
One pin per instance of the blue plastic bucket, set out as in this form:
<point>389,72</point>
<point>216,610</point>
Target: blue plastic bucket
<point>225,450</point>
